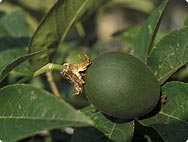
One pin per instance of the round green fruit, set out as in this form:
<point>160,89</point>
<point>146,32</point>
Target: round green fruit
<point>120,85</point>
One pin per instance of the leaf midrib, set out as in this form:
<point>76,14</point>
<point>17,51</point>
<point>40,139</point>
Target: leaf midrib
<point>13,61</point>
<point>73,19</point>
<point>112,130</point>
<point>38,118</point>
<point>173,117</point>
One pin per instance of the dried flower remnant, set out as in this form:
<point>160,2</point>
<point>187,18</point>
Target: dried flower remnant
<point>74,73</point>
<point>163,99</point>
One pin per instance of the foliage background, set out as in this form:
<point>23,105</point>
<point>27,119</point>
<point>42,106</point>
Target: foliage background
<point>92,34</point>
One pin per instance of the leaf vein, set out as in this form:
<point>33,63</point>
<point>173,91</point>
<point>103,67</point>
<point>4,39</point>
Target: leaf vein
<point>173,117</point>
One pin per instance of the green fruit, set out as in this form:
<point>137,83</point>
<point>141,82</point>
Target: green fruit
<point>120,85</point>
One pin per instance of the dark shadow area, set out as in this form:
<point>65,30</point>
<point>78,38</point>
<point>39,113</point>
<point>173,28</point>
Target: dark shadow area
<point>2,14</point>
<point>86,134</point>
<point>8,43</point>
<point>176,131</point>
<point>116,120</point>
<point>89,25</point>
<point>58,136</point>
<point>36,138</point>
<point>3,83</point>
<point>179,75</point>
<point>145,134</point>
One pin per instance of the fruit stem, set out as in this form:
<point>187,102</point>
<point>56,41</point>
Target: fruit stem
<point>47,68</point>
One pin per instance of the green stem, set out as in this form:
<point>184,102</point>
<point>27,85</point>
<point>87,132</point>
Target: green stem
<point>80,29</point>
<point>47,68</point>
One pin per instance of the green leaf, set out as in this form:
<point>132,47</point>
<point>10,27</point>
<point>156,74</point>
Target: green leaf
<point>54,27</point>
<point>15,25</point>
<point>89,134</point>
<point>128,35</point>
<point>38,7</point>
<point>148,32</point>
<point>169,54</point>
<point>14,30</point>
<point>119,132</point>
<point>23,70</point>
<point>186,22</point>
<point>9,65</point>
<point>25,110</point>
<point>172,120</point>
<point>14,37</point>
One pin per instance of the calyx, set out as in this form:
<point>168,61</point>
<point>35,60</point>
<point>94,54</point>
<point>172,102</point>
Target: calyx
<point>74,73</point>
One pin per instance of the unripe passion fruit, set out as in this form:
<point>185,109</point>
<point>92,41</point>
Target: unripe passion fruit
<point>120,85</point>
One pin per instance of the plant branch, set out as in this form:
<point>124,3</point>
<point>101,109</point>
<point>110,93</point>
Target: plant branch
<point>52,84</point>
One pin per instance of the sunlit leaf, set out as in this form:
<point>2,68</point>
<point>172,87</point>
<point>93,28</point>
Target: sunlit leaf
<point>169,54</point>
<point>54,28</point>
<point>148,32</point>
